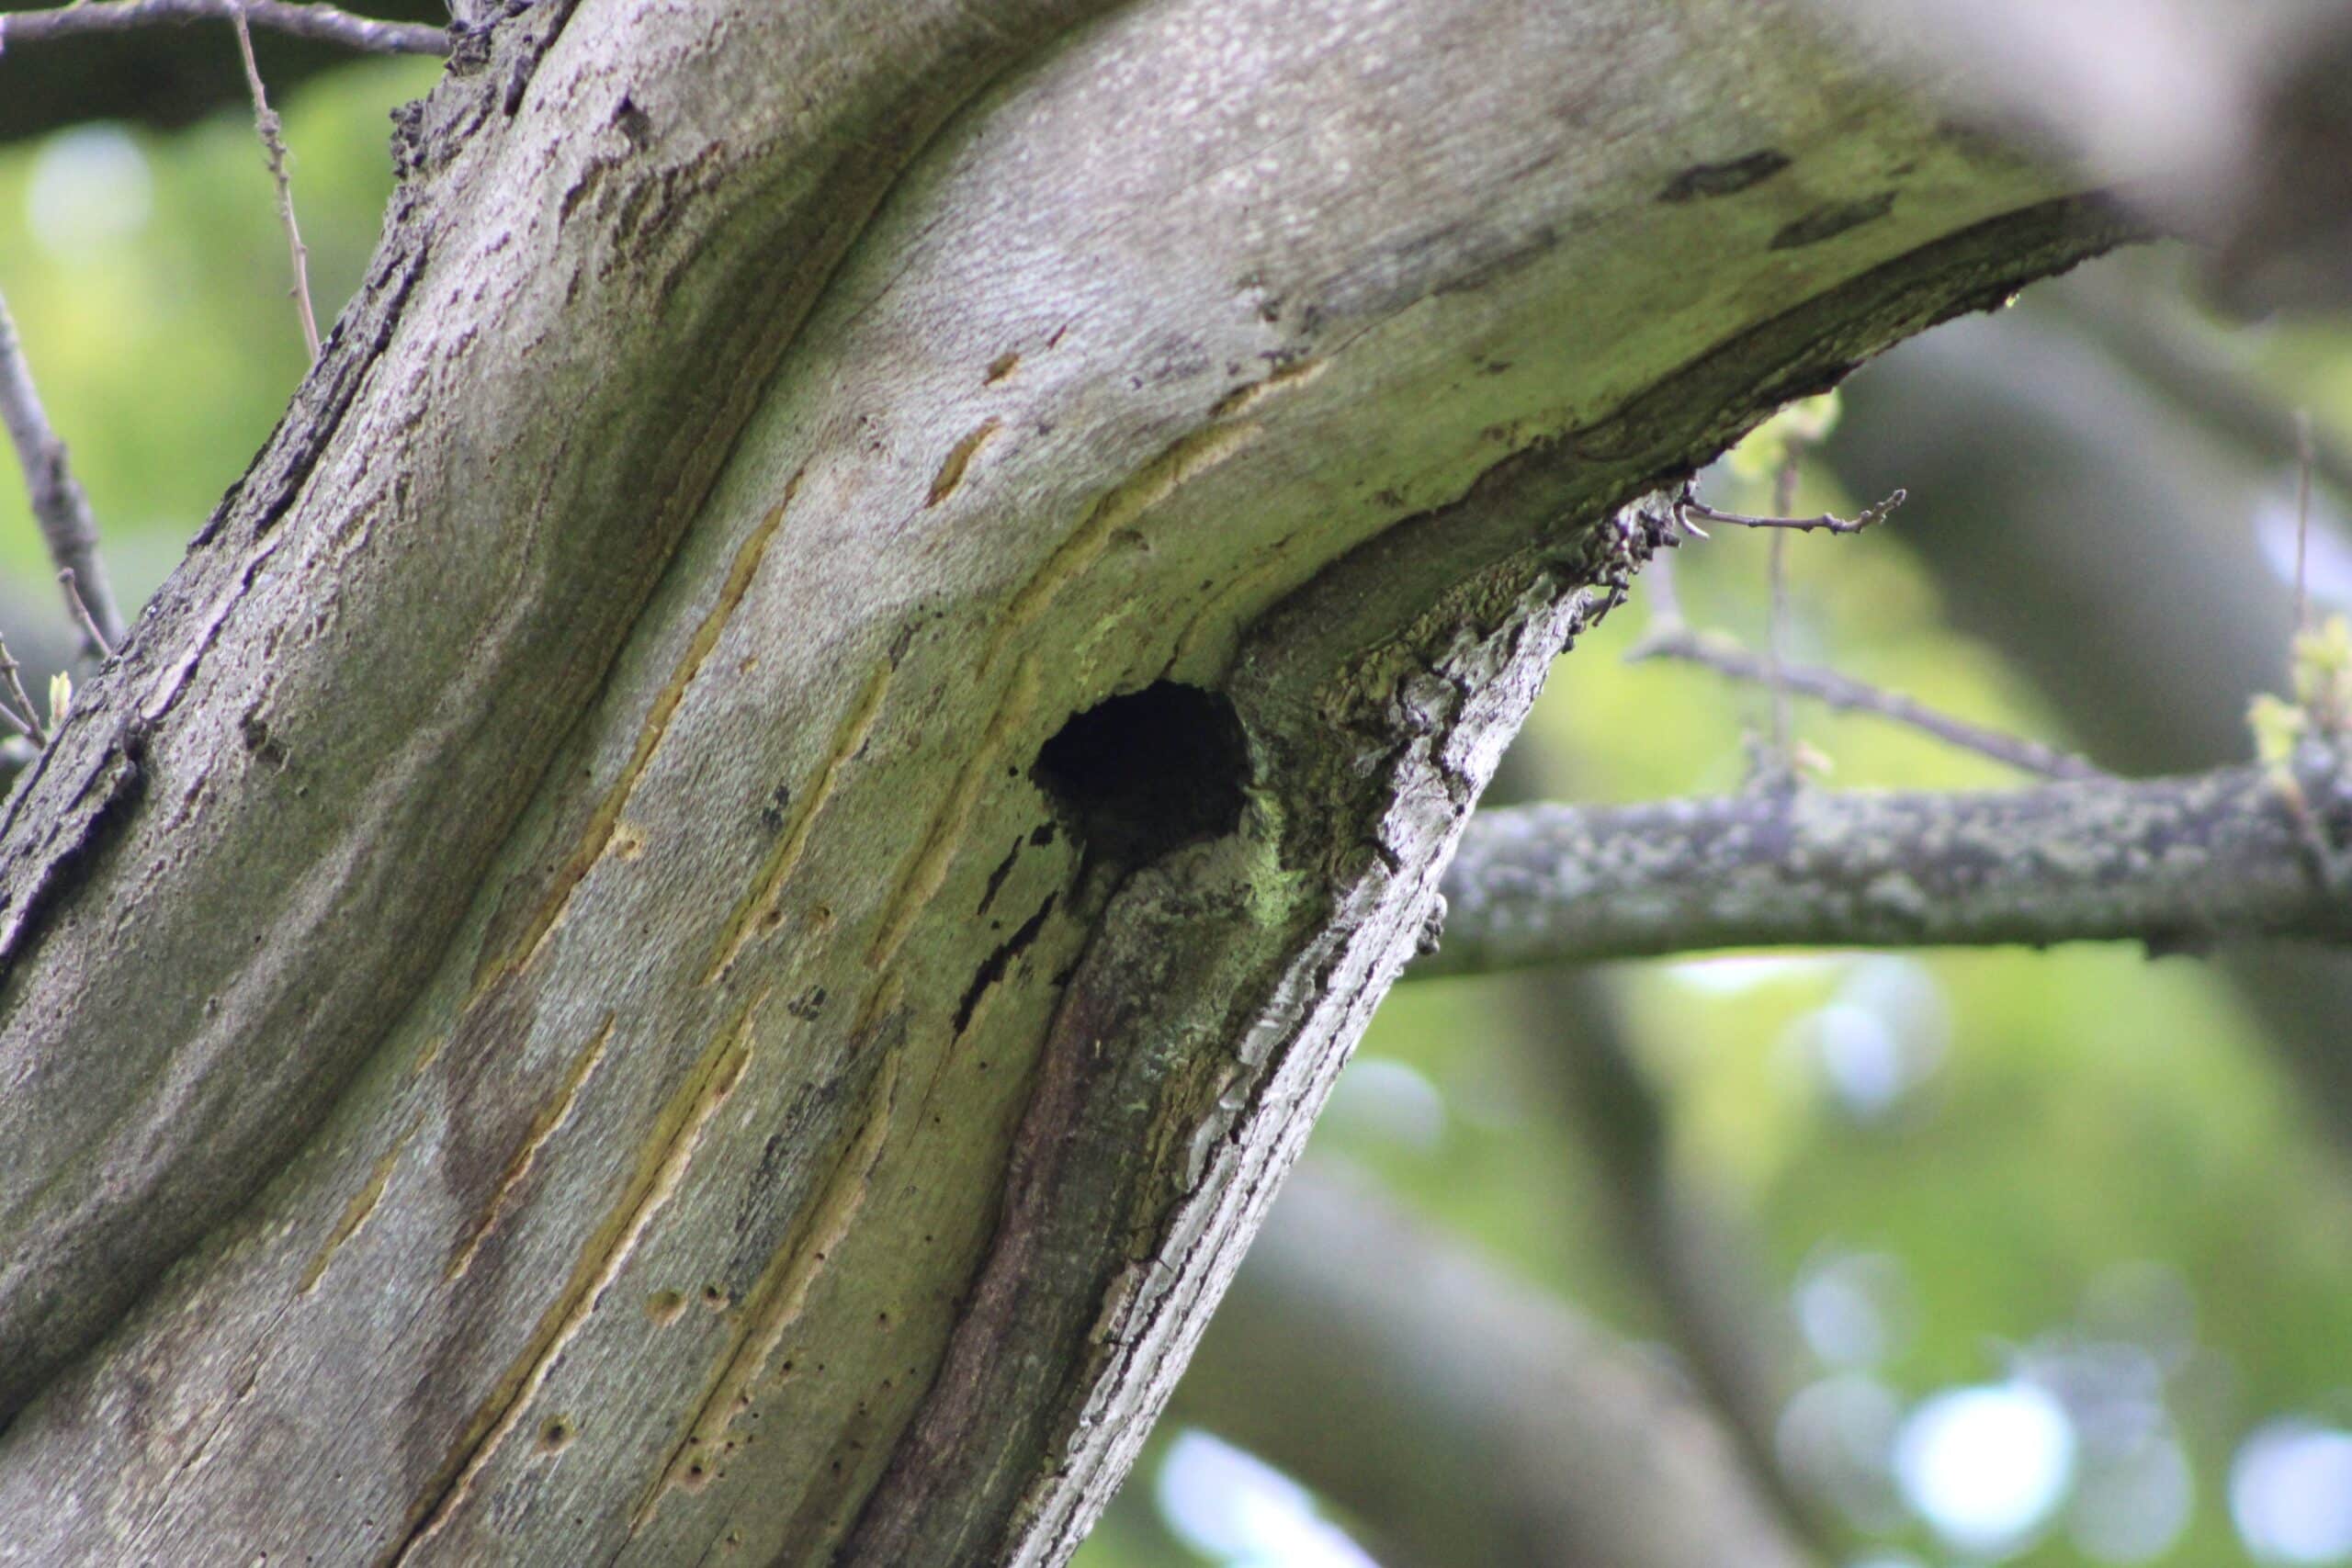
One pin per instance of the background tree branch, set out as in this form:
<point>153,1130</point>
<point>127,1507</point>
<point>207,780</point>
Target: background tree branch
<point>2102,511</point>
<point>1477,1421</point>
<point>311,19</point>
<point>161,77</point>
<point>2237,854</point>
<point>59,505</point>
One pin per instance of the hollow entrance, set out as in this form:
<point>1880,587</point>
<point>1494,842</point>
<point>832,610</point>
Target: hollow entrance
<point>1143,773</point>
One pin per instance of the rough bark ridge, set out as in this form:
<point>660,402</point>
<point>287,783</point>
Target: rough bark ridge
<point>598,828</point>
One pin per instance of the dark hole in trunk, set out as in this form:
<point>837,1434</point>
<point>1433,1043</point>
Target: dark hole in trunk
<point>1141,774</point>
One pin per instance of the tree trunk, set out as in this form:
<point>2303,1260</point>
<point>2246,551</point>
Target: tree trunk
<point>707,914</point>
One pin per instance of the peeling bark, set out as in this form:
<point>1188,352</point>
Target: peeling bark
<point>559,1007</point>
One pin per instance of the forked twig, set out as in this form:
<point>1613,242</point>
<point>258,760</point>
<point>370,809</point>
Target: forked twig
<point>1689,506</point>
<point>16,710</point>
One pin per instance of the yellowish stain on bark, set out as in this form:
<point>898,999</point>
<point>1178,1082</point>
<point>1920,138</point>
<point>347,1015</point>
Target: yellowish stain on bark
<point>607,815</point>
<point>1184,460</point>
<point>356,1212</point>
<point>777,1302</point>
<point>763,910</point>
<point>662,1165</point>
<point>550,1118</point>
<point>959,457</point>
<point>928,869</point>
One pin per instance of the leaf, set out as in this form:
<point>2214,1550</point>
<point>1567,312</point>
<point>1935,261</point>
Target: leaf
<point>2322,669</point>
<point>2277,725</point>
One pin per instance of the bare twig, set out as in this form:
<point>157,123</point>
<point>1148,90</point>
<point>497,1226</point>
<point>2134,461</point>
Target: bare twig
<point>1689,507</point>
<point>2304,457</point>
<point>273,146</point>
<point>2170,862</point>
<point>16,710</point>
<point>1851,696</point>
<point>323,24</point>
<point>1784,499</point>
<point>58,502</point>
<point>92,633</point>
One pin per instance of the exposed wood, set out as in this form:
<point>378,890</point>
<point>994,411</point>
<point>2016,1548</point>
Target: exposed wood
<point>572,830</point>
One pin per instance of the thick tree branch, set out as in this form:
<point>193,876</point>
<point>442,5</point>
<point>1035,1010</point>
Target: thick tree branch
<point>2100,513</point>
<point>2237,854</point>
<point>159,77</point>
<point>319,23</point>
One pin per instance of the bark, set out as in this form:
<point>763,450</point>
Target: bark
<point>579,930</point>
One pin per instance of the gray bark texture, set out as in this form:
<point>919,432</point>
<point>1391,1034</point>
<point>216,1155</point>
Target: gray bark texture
<point>2237,854</point>
<point>557,1004</point>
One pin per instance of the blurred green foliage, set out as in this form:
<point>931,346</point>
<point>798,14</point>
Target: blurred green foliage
<point>150,292</point>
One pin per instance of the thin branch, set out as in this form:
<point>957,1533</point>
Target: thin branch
<point>323,24</point>
<point>272,147</point>
<point>58,502</point>
<point>16,710</point>
<point>93,634</point>
<point>2237,854</point>
<point>1690,507</point>
<point>1784,499</point>
<point>1841,692</point>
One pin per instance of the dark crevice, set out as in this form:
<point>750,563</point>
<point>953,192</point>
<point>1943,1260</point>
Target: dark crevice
<point>996,877</point>
<point>1148,772</point>
<point>992,968</point>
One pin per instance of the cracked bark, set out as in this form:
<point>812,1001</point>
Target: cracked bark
<point>523,933</point>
